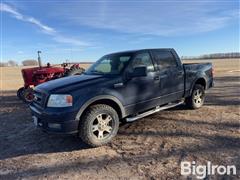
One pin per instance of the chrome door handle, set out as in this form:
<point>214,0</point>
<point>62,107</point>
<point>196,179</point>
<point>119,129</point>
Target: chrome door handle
<point>117,85</point>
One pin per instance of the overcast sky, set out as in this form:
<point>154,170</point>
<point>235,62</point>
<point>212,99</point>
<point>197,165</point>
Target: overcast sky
<point>86,30</point>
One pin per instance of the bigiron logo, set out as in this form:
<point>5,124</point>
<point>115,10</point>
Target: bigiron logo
<point>201,171</point>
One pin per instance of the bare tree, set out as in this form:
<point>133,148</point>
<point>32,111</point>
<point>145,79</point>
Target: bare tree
<point>30,62</point>
<point>12,63</point>
<point>3,64</point>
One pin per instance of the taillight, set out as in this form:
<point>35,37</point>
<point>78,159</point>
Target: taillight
<point>212,71</point>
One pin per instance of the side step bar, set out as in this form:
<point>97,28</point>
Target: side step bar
<point>157,109</point>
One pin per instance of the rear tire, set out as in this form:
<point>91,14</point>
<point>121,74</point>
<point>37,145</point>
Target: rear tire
<point>197,98</point>
<point>98,125</point>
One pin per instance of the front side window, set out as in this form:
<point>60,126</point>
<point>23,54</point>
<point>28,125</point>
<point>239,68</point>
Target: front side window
<point>165,59</point>
<point>111,64</point>
<point>143,59</point>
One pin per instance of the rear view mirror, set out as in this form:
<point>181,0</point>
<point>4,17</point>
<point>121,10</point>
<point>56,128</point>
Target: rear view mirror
<point>139,71</point>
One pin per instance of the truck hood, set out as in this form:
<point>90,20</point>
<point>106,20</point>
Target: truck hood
<point>68,82</point>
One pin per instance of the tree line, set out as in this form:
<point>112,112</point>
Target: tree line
<point>32,62</point>
<point>12,63</point>
<point>214,56</point>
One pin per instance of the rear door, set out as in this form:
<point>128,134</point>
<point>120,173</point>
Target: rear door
<point>171,84</point>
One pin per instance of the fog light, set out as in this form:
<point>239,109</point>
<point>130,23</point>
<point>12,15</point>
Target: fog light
<point>54,125</point>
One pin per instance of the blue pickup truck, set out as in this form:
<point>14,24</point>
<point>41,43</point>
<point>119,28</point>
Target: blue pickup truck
<point>122,86</point>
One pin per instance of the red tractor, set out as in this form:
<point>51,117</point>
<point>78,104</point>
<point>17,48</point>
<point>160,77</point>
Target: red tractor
<point>37,75</point>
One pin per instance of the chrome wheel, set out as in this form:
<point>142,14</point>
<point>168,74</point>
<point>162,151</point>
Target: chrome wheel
<point>198,97</point>
<point>102,126</point>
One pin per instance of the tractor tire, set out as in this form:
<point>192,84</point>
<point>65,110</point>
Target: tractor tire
<point>25,94</point>
<point>20,93</point>
<point>75,71</point>
<point>197,98</point>
<point>98,125</point>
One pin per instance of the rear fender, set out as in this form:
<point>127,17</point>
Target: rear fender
<point>195,81</point>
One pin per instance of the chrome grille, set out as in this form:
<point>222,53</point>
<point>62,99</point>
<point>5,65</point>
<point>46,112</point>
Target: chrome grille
<point>39,98</point>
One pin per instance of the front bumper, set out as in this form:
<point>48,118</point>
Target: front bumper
<point>55,121</point>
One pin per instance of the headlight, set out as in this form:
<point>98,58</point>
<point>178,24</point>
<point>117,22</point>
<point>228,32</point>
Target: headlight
<point>60,100</point>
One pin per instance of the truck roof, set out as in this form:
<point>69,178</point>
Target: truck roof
<point>137,50</point>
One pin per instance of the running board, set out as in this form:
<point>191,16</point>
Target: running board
<point>157,109</point>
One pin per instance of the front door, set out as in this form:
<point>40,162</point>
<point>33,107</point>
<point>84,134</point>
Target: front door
<point>141,93</point>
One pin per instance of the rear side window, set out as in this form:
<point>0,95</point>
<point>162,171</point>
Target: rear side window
<point>165,59</point>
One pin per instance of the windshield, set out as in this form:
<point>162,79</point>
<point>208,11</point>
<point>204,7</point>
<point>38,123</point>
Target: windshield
<point>112,64</point>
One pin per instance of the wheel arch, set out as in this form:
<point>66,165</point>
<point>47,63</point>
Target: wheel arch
<point>104,99</point>
<point>200,80</point>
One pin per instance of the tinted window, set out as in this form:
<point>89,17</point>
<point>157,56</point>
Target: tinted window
<point>110,64</point>
<point>165,59</point>
<point>143,59</point>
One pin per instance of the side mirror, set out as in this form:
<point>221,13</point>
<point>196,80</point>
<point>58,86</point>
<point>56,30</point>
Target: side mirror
<point>139,71</point>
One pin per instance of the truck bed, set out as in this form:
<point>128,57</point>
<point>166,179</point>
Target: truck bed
<point>195,70</point>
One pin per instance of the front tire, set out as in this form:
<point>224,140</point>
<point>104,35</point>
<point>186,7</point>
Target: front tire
<point>25,94</point>
<point>20,93</point>
<point>197,98</point>
<point>98,125</point>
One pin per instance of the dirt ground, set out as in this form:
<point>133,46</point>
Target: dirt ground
<point>150,148</point>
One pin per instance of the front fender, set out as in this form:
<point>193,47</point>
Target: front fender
<point>97,98</point>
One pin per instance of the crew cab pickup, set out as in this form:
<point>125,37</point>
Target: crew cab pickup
<point>122,86</point>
